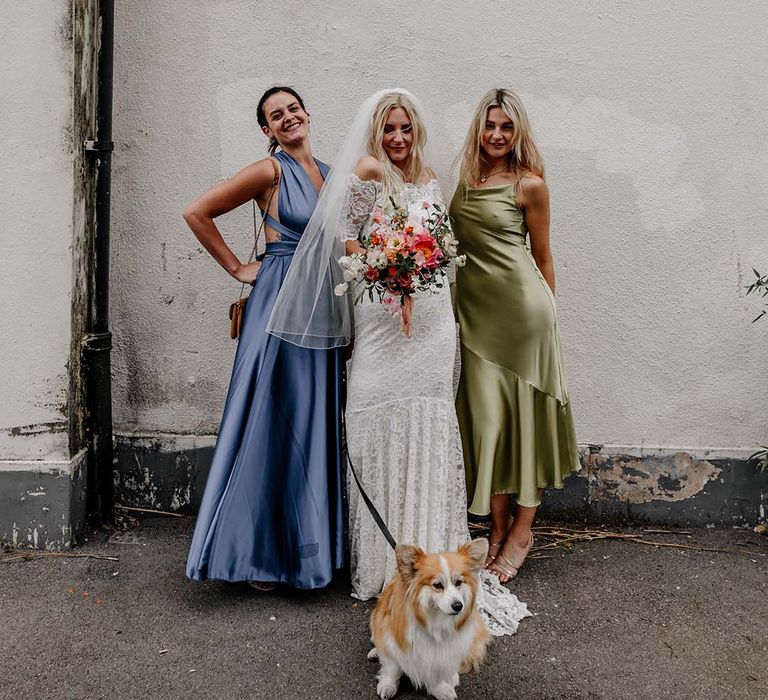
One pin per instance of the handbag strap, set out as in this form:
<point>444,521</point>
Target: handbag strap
<point>257,231</point>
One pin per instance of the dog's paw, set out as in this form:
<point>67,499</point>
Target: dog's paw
<point>373,654</point>
<point>387,689</point>
<point>455,680</point>
<point>443,691</point>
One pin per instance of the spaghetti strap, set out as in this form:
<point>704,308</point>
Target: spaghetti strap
<point>518,191</point>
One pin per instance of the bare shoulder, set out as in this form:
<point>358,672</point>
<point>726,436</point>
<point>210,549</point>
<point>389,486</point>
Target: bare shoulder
<point>369,168</point>
<point>253,181</point>
<point>533,189</point>
<point>261,173</point>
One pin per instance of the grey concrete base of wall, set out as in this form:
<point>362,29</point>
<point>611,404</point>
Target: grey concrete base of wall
<point>42,504</point>
<point>615,484</point>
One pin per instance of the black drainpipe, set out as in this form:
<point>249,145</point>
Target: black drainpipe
<point>97,341</point>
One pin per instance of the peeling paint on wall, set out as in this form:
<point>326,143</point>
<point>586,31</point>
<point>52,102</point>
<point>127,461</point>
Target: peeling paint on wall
<point>641,480</point>
<point>41,505</point>
<point>164,472</point>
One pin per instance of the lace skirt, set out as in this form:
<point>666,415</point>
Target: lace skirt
<point>403,437</point>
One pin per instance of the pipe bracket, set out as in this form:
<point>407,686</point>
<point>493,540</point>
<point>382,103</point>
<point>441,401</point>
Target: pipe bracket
<point>97,342</point>
<point>98,146</point>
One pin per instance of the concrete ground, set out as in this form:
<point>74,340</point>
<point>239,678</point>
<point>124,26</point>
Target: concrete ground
<point>612,620</point>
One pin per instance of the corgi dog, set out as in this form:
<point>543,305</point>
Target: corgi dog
<point>426,623</point>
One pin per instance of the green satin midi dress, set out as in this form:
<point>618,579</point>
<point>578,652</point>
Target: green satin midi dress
<point>512,403</point>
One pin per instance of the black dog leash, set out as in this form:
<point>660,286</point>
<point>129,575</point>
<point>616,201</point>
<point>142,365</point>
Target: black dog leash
<point>368,502</point>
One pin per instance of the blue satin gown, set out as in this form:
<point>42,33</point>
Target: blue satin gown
<point>272,507</point>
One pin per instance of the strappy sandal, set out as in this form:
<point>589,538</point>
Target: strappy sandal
<point>491,556</point>
<point>509,568</point>
<point>262,586</point>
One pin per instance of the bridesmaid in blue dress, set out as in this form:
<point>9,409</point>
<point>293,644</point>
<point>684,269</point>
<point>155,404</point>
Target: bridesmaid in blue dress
<point>272,508</point>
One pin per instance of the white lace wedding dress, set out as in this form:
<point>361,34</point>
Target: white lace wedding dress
<point>402,432</point>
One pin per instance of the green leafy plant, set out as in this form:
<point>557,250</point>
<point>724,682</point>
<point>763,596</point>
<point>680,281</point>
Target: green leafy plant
<point>761,457</point>
<point>759,286</point>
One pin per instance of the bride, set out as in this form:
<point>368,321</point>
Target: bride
<point>402,430</point>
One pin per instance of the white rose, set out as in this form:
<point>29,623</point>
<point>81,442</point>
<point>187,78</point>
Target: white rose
<point>341,289</point>
<point>377,259</point>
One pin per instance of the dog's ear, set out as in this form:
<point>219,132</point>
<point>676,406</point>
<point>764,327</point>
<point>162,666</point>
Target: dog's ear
<point>476,551</point>
<point>408,558</point>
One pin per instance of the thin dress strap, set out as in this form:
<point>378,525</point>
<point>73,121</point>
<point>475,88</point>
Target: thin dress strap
<point>276,177</point>
<point>517,188</point>
<point>277,226</point>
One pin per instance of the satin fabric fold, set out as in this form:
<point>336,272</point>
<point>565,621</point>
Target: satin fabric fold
<point>512,402</point>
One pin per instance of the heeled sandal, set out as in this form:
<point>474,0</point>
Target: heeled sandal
<point>498,545</point>
<point>491,557</point>
<point>509,568</point>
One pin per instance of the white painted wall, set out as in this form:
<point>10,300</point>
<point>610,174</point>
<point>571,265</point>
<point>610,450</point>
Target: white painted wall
<point>36,182</point>
<point>651,116</point>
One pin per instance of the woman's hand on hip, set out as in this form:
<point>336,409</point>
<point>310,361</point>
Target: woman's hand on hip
<point>247,273</point>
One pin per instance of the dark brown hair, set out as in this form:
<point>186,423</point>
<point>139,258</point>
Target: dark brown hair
<point>261,117</point>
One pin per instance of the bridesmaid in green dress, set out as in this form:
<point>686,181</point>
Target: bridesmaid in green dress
<point>513,408</point>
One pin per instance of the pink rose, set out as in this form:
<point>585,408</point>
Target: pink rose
<point>433,260</point>
<point>405,282</point>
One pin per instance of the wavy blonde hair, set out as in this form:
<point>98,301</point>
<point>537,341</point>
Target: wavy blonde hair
<point>524,156</point>
<point>394,178</point>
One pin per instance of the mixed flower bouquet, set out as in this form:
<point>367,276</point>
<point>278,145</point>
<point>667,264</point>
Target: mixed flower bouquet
<point>404,254</point>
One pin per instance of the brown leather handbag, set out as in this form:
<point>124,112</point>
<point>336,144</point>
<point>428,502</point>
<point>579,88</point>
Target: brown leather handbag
<point>237,308</point>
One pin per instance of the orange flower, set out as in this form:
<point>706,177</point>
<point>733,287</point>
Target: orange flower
<point>426,246</point>
<point>424,243</point>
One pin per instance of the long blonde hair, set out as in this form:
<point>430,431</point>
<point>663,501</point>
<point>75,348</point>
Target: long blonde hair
<point>524,156</point>
<point>394,178</point>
